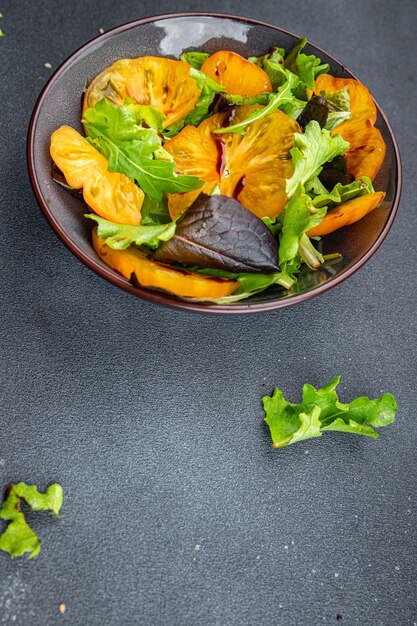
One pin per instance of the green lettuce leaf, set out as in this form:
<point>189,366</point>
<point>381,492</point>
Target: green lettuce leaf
<point>283,96</point>
<point>130,150</point>
<point>337,101</point>
<point>19,538</point>
<point>201,110</point>
<point>340,193</point>
<point>321,410</point>
<point>298,217</point>
<point>273,65</point>
<point>312,148</point>
<point>249,284</point>
<point>121,236</point>
<point>306,67</point>
<point>276,55</point>
<point>203,107</point>
<point>147,113</point>
<point>205,83</point>
<point>274,225</point>
<point>154,211</point>
<point>195,59</point>
<point>339,107</point>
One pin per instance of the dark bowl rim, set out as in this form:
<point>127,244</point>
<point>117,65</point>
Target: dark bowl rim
<point>167,299</point>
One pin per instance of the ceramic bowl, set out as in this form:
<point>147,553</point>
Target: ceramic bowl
<point>168,35</point>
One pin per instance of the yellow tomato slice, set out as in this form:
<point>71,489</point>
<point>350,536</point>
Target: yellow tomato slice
<point>251,168</point>
<point>132,264</point>
<point>347,213</point>
<point>367,147</point>
<point>238,75</point>
<point>362,105</point>
<point>164,83</point>
<point>109,194</point>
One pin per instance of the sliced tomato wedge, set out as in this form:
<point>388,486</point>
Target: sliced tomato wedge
<point>367,147</point>
<point>347,213</point>
<point>251,168</point>
<point>109,194</point>
<point>164,83</point>
<point>362,105</point>
<point>238,75</point>
<point>134,265</point>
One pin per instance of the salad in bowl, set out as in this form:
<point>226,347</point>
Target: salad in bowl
<point>214,177</point>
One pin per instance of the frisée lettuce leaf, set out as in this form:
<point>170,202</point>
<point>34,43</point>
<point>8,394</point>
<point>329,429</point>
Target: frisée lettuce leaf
<point>321,410</point>
<point>312,148</point>
<point>19,538</point>
<point>121,236</point>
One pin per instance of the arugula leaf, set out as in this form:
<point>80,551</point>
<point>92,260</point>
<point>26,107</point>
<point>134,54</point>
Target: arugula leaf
<point>312,148</point>
<point>306,67</point>
<point>195,59</point>
<point>205,83</point>
<point>283,96</point>
<point>299,216</point>
<point>130,150</point>
<point>340,193</point>
<point>121,236</point>
<point>19,537</point>
<point>320,410</point>
<point>226,100</point>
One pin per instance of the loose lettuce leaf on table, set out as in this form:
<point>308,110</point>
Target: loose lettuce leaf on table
<point>121,236</point>
<point>19,538</point>
<point>130,150</point>
<point>321,410</point>
<point>312,148</point>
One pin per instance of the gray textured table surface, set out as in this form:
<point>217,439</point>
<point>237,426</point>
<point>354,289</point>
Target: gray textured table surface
<point>177,511</point>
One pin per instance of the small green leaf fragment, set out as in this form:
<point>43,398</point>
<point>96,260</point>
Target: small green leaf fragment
<point>19,538</point>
